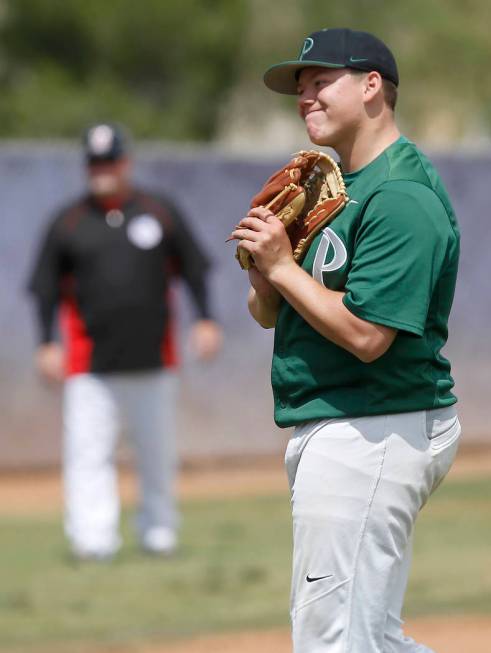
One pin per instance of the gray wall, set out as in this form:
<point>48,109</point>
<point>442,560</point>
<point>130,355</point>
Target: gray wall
<point>226,406</point>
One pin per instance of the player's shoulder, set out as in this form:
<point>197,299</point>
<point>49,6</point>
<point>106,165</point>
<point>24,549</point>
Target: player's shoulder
<point>411,180</point>
<point>410,210</point>
<point>408,191</point>
<point>153,201</point>
<point>69,213</point>
<point>405,162</point>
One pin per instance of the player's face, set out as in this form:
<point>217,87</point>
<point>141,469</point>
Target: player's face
<point>330,101</point>
<point>109,177</point>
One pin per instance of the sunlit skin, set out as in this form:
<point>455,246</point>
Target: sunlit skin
<point>109,178</point>
<point>348,113</point>
<point>330,103</point>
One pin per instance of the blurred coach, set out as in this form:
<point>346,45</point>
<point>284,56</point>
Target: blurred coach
<point>106,263</point>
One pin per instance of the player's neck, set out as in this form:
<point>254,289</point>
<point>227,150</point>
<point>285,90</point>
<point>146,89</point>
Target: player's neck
<point>369,142</point>
<point>114,200</point>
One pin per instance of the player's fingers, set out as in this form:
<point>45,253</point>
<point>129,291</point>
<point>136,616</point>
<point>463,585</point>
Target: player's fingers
<point>248,245</point>
<point>245,234</point>
<point>267,216</point>
<point>261,212</point>
<point>252,223</point>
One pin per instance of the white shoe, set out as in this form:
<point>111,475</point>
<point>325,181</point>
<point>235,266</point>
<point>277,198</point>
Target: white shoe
<point>159,541</point>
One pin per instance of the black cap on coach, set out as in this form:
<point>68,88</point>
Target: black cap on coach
<point>334,48</point>
<point>105,142</point>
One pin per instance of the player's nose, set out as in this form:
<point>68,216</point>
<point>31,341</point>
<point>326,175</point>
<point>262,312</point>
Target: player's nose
<point>304,102</point>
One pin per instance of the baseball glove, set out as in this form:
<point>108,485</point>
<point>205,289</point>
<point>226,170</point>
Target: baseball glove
<point>305,195</point>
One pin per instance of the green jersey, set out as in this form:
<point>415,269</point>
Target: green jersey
<point>394,251</point>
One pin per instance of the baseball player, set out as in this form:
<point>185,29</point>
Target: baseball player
<point>107,263</point>
<point>357,363</point>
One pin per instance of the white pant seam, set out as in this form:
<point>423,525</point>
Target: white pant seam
<point>351,590</point>
<point>315,598</point>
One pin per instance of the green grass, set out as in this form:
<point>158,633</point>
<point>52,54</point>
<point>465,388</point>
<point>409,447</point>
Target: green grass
<point>452,559</point>
<point>232,573</point>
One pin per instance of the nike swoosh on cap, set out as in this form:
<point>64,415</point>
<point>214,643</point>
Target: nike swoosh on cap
<point>353,60</point>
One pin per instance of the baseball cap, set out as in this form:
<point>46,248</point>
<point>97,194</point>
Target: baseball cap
<point>105,142</point>
<point>334,48</point>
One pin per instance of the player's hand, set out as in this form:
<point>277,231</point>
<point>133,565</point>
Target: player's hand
<point>265,291</point>
<point>263,235</point>
<point>206,339</point>
<point>50,362</point>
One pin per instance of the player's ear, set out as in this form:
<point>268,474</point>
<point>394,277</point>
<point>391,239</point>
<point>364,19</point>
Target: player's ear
<point>372,85</point>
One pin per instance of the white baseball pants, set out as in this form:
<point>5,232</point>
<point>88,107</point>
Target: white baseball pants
<point>95,407</point>
<point>357,487</point>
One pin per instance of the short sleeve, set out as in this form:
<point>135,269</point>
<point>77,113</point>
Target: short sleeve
<point>399,252</point>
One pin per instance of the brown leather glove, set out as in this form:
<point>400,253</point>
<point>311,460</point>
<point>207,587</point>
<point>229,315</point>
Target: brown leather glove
<point>305,195</point>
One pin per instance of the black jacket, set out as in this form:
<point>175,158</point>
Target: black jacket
<point>109,272</point>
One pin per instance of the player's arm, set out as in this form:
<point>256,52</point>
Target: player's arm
<point>44,285</point>
<point>263,301</point>
<point>324,310</point>
<point>264,236</point>
<point>193,265</point>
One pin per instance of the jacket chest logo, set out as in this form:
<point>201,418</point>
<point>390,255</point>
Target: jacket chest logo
<point>330,255</point>
<point>145,231</point>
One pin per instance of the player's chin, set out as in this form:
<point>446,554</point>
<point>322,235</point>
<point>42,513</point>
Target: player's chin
<point>317,135</point>
<point>319,138</point>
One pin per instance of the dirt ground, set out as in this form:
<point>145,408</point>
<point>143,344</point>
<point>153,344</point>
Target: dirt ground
<point>443,635</point>
<point>40,493</point>
<point>24,493</point>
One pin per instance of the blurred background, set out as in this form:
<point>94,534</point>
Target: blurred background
<point>185,78</point>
